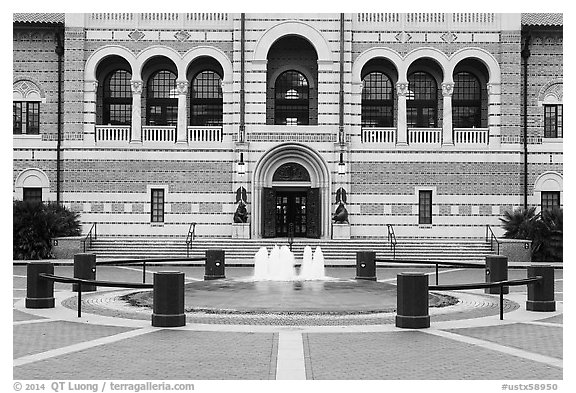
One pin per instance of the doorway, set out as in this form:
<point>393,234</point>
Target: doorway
<point>291,213</point>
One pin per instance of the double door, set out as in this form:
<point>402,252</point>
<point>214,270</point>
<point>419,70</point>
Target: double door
<point>289,210</point>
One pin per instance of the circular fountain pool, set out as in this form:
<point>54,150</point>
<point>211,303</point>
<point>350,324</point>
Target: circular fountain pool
<point>332,296</point>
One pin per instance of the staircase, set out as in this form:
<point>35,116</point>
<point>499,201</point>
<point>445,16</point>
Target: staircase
<point>336,252</point>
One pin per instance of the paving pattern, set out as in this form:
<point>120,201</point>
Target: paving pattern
<point>113,340</point>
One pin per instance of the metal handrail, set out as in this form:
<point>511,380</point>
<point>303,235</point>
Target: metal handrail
<point>481,285</point>
<point>392,240</point>
<point>432,262</point>
<point>144,261</point>
<point>190,238</point>
<point>89,236</point>
<point>492,238</point>
<point>290,235</point>
<point>81,281</point>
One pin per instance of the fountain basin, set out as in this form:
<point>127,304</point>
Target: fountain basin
<point>332,296</point>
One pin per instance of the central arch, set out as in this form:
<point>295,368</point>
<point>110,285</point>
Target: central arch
<point>318,184</point>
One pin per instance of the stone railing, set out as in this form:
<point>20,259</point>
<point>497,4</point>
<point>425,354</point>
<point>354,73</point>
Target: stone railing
<point>112,133</point>
<point>378,135</point>
<point>159,134</point>
<point>418,21</point>
<point>205,134</point>
<point>471,136</point>
<point>428,136</point>
<point>153,20</point>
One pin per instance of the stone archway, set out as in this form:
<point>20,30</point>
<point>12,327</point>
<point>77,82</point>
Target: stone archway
<point>316,184</point>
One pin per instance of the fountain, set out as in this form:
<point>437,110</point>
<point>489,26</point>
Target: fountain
<point>279,265</point>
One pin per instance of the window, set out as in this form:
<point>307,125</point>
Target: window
<point>32,194</point>
<point>206,99</point>
<point>162,102</point>
<point>425,207</point>
<point>422,101</point>
<point>550,200</point>
<point>466,101</point>
<point>377,101</point>
<point>26,117</point>
<point>157,205</point>
<point>117,98</point>
<point>291,101</point>
<point>552,121</point>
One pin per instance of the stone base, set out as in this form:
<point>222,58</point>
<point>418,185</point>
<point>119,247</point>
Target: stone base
<point>44,302</point>
<point>208,278</point>
<point>409,322</point>
<point>240,230</point>
<point>161,320</point>
<point>365,278</point>
<point>540,305</point>
<point>341,231</point>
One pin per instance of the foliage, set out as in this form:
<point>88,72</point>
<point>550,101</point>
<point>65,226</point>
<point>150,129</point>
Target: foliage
<point>545,230</point>
<point>35,224</point>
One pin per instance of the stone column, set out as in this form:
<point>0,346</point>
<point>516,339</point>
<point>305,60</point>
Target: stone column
<point>136,134</point>
<point>90,89</point>
<point>494,111</point>
<point>402,128</point>
<point>447,131</point>
<point>182,127</point>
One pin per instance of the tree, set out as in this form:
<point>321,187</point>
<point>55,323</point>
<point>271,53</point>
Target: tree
<point>35,224</point>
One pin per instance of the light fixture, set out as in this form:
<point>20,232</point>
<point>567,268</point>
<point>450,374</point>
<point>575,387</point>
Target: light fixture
<point>241,166</point>
<point>341,165</point>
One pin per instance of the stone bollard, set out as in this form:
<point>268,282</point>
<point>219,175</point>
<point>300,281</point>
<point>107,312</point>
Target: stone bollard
<point>541,294</point>
<point>39,291</point>
<point>412,301</point>
<point>168,308</point>
<point>496,270</point>
<point>85,268</point>
<point>215,265</point>
<point>365,265</point>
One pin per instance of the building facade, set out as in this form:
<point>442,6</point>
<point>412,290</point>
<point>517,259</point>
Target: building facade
<point>435,123</point>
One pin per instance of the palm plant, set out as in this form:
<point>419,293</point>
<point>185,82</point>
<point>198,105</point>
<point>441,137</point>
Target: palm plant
<point>520,223</point>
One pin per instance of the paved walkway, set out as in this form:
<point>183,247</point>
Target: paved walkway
<point>466,341</point>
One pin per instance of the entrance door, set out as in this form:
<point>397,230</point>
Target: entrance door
<point>291,208</point>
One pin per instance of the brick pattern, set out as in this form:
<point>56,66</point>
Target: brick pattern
<point>412,356</point>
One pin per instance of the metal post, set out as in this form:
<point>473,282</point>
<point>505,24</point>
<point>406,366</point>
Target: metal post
<point>436,273</point>
<point>85,268</point>
<point>366,265</point>
<point>79,288</point>
<point>168,308</point>
<point>412,301</point>
<point>501,302</point>
<point>39,291</point>
<point>496,270</point>
<point>144,272</point>
<point>215,265</point>
<point>541,294</point>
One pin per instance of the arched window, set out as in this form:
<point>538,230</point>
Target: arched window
<point>27,97</point>
<point>291,99</point>
<point>422,100</point>
<point>377,100</point>
<point>162,100</point>
<point>117,98</point>
<point>206,99</point>
<point>466,101</point>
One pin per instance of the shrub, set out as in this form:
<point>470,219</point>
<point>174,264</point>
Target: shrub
<point>545,230</point>
<point>35,224</point>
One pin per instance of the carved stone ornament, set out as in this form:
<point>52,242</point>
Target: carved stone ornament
<point>402,89</point>
<point>403,37</point>
<point>136,87</point>
<point>136,35</point>
<point>291,172</point>
<point>447,89</point>
<point>182,35</point>
<point>449,37</point>
<point>182,87</point>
